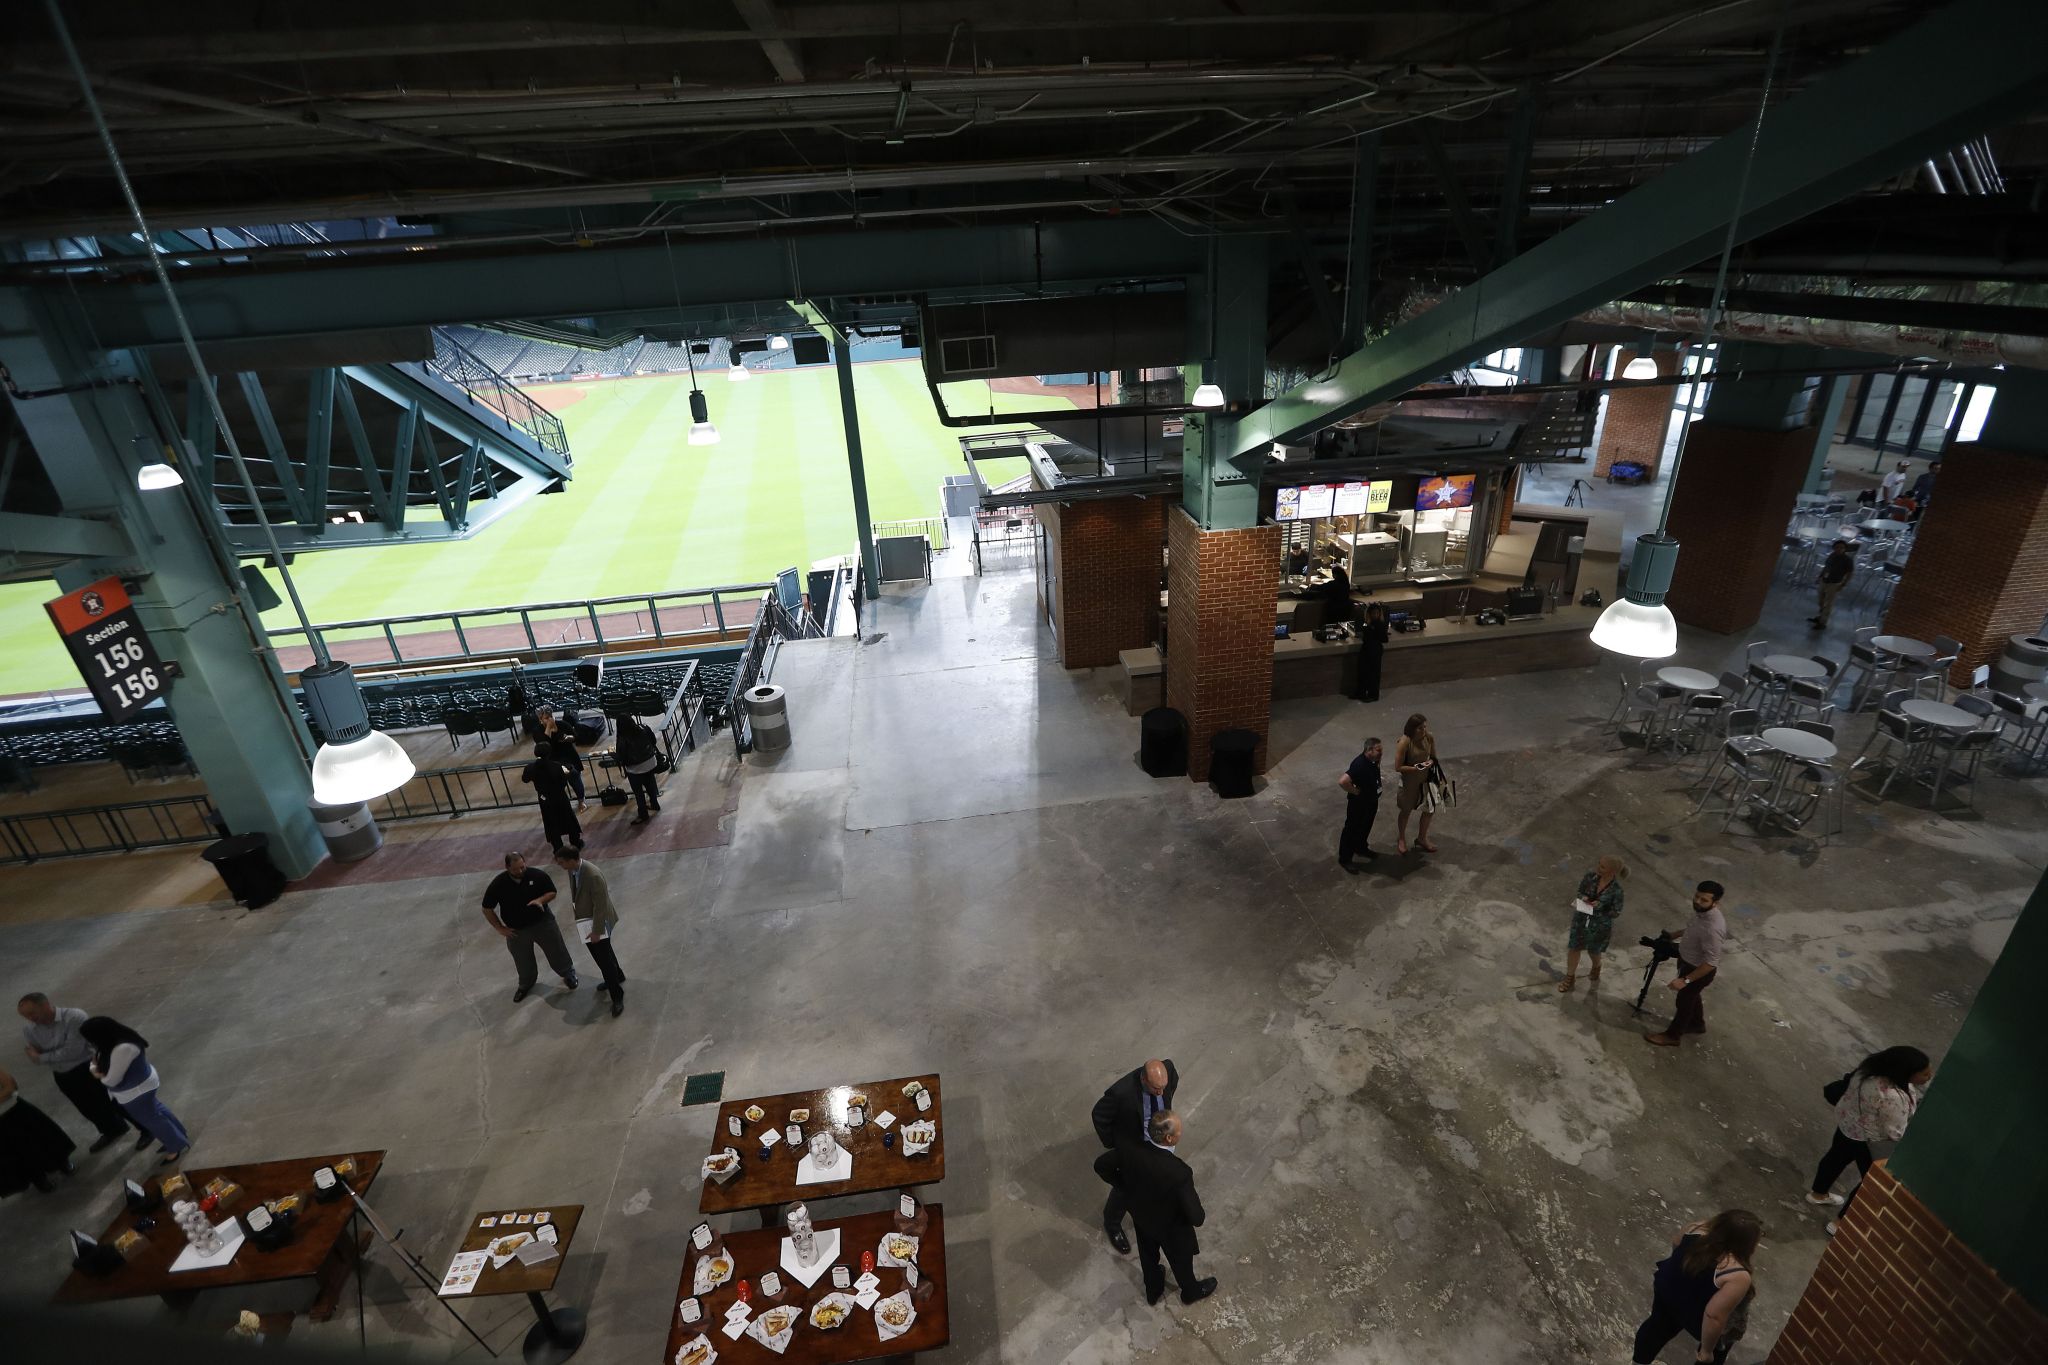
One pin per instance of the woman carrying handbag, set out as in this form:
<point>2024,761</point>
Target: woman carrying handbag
<point>1423,784</point>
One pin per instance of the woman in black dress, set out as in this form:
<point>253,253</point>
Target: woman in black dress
<point>32,1146</point>
<point>1372,649</point>
<point>550,783</point>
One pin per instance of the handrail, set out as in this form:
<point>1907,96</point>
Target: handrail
<point>932,528</point>
<point>464,369</point>
<point>120,828</point>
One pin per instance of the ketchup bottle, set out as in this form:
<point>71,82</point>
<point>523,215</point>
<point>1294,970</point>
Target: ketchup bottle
<point>746,1292</point>
<point>867,1263</point>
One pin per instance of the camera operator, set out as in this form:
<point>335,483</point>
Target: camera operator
<point>1699,956</point>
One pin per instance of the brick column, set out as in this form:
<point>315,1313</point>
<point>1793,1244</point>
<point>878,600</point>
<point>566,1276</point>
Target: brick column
<point>1979,567</point>
<point>1637,420</point>
<point>1895,1287</point>
<point>1221,587</point>
<point>1106,576</point>
<point>1736,487</point>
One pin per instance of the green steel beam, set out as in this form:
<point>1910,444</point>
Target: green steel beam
<point>1971,66</point>
<point>26,533</point>
<point>1514,190</point>
<point>1463,220</point>
<point>424,288</point>
<point>1365,168</point>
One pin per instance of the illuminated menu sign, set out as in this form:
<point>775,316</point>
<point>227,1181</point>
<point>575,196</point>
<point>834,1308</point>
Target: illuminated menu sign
<point>1317,500</point>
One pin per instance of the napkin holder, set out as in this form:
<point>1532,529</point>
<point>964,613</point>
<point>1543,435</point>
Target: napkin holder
<point>142,1200</point>
<point>330,1191</point>
<point>94,1258</point>
<point>273,1235</point>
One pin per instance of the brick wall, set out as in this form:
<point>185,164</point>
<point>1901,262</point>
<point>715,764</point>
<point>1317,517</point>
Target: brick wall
<point>1637,420</point>
<point>1979,567</point>
<point>1735,492</point>
<point>1219,640</point>
<point>1894,1287</point>
<point>1106,556</point>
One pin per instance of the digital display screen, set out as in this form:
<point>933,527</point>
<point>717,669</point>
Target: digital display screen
<point>1316,500</point>
<point>1446,490</point>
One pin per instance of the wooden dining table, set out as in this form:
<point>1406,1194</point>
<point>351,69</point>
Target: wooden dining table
<point>760,1249</point>
<point>556,1333</point>
<point>768,1184</point>
<point>319,1247</point>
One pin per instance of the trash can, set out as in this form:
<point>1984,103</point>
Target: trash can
<point>1163,743</point>
<point>2025,661</point>
<point>350,831</point>
<point>768,714</point>
<point>243,861</point>
<point>1230,762</point>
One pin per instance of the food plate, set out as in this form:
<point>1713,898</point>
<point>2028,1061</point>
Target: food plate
<point>831,1311</point>
<point>894,1315</point>
<point>919,1136</point>
<point>722,1166</point>
<point>502,1248</point>
<point>755,1113</point>
<point>775,1327</point>
<point>799,1116</point>
<point>712,1271</point>
<point>698,1350</point>
<point>896,1249</point>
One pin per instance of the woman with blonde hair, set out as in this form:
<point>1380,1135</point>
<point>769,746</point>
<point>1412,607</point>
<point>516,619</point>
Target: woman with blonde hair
<point>1593,916</point>
<point>1414,756</point>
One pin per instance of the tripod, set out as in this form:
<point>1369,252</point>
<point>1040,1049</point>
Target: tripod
<point>1661,949</point>
<point>364,1213</point>
<point>1576,495</point>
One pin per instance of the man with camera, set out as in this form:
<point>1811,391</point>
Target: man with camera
<point>1699,956</point>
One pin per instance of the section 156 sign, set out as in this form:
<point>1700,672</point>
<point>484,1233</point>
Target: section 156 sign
<point>108,644</point>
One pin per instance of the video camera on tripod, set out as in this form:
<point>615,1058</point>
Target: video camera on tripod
<point>1662,948</point>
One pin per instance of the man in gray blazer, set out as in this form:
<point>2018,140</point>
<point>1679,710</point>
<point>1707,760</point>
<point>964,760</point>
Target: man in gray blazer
<point>595,917</point>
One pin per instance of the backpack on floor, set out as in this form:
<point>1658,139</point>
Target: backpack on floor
<point>611,796</point>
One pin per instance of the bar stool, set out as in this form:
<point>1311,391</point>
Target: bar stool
<point>2024,733</point>
<point>1964,751</point>
<point>1745,773</point>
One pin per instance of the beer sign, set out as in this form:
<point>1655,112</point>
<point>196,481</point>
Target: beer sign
<point>107,642</point>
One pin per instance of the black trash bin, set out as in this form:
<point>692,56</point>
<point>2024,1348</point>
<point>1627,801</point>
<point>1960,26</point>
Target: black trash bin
<point>243,861</point>
<point>1230,762</point>
<point>1163,742</point>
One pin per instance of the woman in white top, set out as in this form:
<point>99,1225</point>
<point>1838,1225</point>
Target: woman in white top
<point>120,1058</point>
<point>1880,1099</point>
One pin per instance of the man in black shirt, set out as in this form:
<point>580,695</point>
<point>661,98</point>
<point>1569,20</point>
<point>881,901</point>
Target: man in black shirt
<point>1834,576</point>
<point>519,905</point>
<point>1361,784</point>
<point>549,779</point>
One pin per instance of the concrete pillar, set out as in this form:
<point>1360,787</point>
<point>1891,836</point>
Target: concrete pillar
<point>1941,1256</point>
<point>1219,640</point>
<point>1979,567</point>
<point>1834,392</point>
<point>1215,491</point>
<point>1637,419</point>
<point>1106,561</point>
<point>251,751</point>
<point>1745,462</point>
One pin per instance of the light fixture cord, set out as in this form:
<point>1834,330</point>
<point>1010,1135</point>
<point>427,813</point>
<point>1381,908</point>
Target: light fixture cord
<point>200,376</point>
<point>1720,294</point>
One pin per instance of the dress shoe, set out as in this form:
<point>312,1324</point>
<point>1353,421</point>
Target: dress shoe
<point>521,994</point>
<point>107,1140</point>
<point>618,1003</point>
<point>1118,1240</point>
<point>170,1158</point>
<point>570,983</point>
<point>1202,1290</point>
<point>1155,1296</point>
<point>1660,1039</point>
<point>143,1141</point>
<point>639,820</point>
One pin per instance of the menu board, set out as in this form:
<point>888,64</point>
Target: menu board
<point>1315,500</point>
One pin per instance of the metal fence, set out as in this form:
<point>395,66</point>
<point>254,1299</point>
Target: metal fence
<point>106,829</point>
<point>460,366</point>
<point>933,529</point>
<point>683,617</point>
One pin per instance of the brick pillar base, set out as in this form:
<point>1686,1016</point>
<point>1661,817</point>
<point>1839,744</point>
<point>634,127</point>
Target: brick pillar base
<point>1219,640</point>
<point>1979,567</point>
<point>1735,492</point>
<point>1106,576</point>
<point>1637,419</point>
<point>1896,1288</point>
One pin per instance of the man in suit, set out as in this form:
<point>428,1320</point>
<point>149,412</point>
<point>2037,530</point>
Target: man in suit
<point>1164,1208</point>
<point>1121,1115</point>
<point>595,918</point>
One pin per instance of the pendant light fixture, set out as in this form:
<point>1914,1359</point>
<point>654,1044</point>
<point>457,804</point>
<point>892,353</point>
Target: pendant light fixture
<point>702,433</point>
<point>355,763</point>
<point>1637,623</point>
<point>1207,395</point>
<point>778,342</point>
<point>1642,367</point>
<point>158,474</point>
<point>739,373</point>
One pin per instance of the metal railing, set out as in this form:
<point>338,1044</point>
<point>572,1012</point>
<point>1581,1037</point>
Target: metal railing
<point>933,529</point>
<point>121,828</point>
<point>772,627</point>
<point>684,616</point>
<point>461,367</point>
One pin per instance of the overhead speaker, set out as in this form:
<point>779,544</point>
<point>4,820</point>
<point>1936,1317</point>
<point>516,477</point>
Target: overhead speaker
<point>810,350</point>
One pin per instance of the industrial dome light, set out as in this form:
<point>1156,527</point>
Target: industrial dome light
<point>1642,367</point>
<point>702,433</point>
<point>1207,396</point>
<point>157,474</point>
<point>355,763</point>
<point>738,373</point>
<point>1638,624</point>
<point>778,342</point>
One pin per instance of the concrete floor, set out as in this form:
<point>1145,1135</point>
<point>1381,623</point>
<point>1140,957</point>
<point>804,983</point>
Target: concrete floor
<point>1412,1149</point>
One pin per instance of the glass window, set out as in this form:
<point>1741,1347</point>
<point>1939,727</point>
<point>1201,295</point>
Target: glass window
<point>1974,415</point>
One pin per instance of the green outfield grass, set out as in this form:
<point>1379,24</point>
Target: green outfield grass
<point>645,512</point>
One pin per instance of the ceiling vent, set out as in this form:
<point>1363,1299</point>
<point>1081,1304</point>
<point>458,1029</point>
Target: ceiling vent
<point>967,355</point>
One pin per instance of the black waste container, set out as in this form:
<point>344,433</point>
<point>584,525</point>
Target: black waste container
<point>1230,762</point>
<point>243,861</point>
<point>1163,742</point>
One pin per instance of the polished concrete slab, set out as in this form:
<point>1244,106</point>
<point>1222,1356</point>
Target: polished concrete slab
<point>1411,1146</point>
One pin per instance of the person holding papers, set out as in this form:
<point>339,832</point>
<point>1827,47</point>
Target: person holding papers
<point>591,902</point>
<point>1593,914</point>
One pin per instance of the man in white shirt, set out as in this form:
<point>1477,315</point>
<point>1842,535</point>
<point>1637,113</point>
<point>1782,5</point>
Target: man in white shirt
<point>1699,957</point>
<point>53,1041</point>
<point>1894,484</point>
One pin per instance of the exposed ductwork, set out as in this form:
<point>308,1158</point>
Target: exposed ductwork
<point>1876,338</point>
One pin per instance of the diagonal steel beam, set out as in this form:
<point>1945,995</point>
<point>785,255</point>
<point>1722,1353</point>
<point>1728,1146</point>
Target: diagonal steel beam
<point>366,458</point>
<point>1971,66</point>
<point>1455,199</point>
<point>765,23</point>
<point>280,458</point>
<point>80,537</point>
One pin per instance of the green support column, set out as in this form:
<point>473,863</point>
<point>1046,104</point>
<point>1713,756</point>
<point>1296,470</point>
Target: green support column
<point>1828,406</point>
<point>252,751</point>
<point>1227,328</point>
<point>849,416</point>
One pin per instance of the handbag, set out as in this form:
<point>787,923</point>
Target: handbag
<point>1438,791</point>
<point>1833,1091</point>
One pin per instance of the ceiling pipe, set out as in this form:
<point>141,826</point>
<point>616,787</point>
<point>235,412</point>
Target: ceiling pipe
<point>1877,338</point>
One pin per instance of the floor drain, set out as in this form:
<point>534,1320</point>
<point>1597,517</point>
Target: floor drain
<point>706,1087</point>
